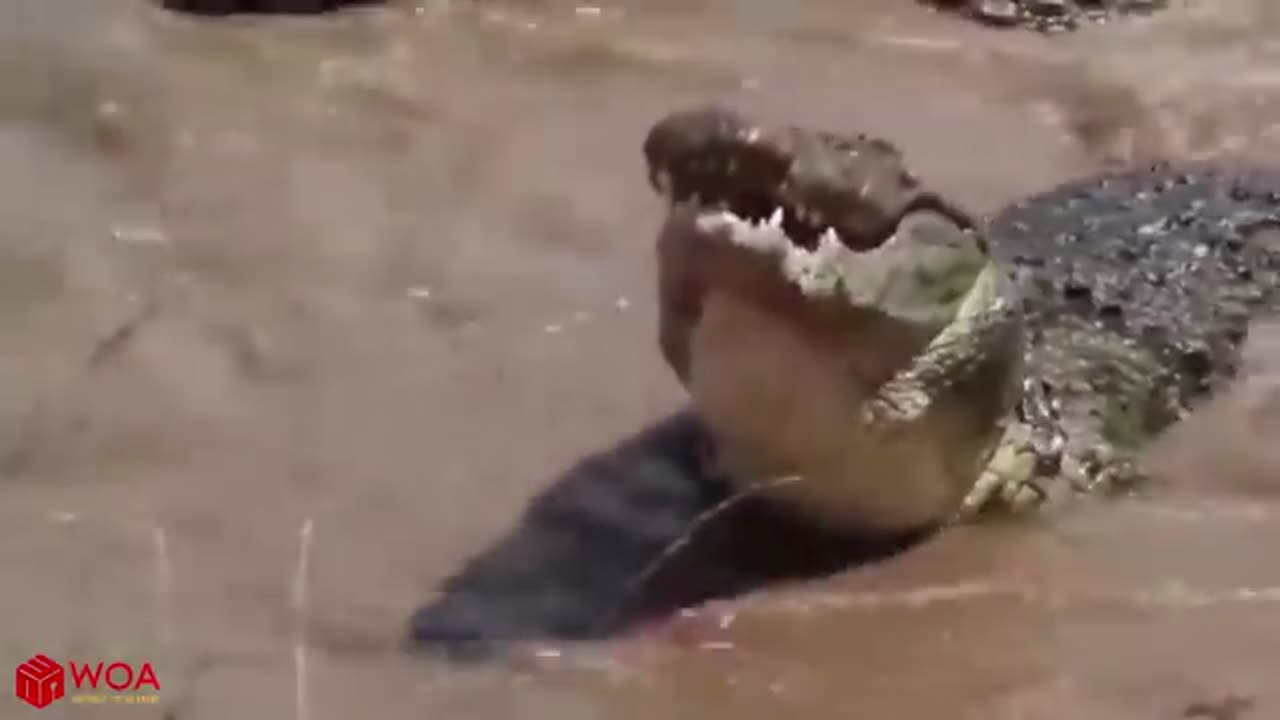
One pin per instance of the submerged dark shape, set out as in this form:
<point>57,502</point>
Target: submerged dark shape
<point>283,7</point>
<point>592,554</point>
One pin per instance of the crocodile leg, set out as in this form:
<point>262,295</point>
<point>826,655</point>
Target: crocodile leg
<point>1029,454</point>
<point>1027,472</point>
<point>1038,461</point>
<point>977,359</point>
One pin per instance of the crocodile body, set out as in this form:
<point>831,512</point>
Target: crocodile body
<point>965,365</point>
<point>1103,312</point>
<point>1137,291</point>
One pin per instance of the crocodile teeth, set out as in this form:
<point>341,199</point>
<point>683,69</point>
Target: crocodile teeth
<point>775,220</point>
<point>829,236</point>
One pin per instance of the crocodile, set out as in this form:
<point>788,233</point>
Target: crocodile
<point>870,354</point>
<point>868,362</point>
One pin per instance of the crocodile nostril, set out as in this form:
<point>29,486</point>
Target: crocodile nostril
<point>1195,361</point>
<point>1111,314</point>
<point>1075,290</point>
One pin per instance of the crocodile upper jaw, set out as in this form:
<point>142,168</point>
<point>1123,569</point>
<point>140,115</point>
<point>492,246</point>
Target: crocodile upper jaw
<point>816,186</point>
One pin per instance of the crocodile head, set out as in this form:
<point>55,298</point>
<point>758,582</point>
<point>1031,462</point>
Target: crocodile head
<point>839,215</point>
<point>806,278</point>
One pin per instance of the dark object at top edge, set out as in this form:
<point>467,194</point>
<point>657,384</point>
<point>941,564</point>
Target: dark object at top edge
<point>214,8</point>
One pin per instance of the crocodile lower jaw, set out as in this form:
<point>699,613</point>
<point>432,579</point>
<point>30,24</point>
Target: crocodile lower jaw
<point>816,272</point>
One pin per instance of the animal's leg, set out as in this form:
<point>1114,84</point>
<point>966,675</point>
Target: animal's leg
<point>1036,461</point>
<point>1030,453</point>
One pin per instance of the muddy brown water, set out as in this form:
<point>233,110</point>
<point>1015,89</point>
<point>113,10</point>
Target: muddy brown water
<point>364,283</point>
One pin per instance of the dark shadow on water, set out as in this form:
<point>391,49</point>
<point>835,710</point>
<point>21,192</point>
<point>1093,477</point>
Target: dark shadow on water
<point>583,561</point>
